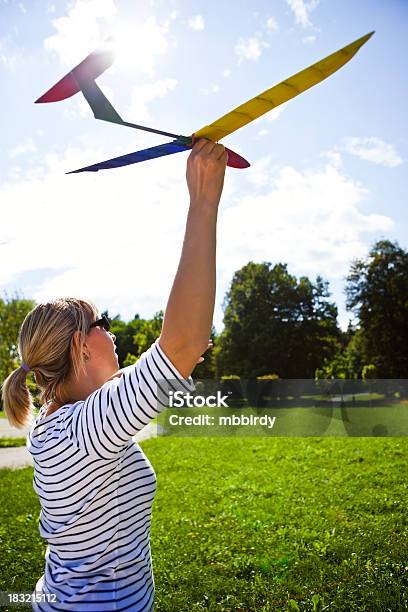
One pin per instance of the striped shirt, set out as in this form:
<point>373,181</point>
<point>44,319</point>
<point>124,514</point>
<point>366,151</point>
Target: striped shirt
<point>96,489</point>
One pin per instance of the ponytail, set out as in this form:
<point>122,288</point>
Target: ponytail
<point>17,401</point>
<point>48,343</point>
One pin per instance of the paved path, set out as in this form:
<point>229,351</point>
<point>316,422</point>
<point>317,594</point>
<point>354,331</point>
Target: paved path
<point>6,431</point>
<point>17,457</point>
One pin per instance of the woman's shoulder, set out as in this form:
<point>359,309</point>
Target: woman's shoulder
<point>50,408</point>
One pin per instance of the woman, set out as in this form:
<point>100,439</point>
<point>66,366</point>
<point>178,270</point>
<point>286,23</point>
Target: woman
<point>96,486</point>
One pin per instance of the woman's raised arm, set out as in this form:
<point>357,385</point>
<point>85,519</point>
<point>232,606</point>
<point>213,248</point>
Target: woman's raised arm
<point>190,308</point>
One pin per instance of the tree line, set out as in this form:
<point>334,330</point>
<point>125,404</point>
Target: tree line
<point>277,325</point>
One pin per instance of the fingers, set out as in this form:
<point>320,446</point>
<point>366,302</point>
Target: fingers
<point>220,152</point>
<point>205,172</point>
<point>209,148</point>
<point>204,147</point>
<point>199,145</point>
<point>224,156</point>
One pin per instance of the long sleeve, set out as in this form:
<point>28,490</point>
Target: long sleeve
<point>103,423</point>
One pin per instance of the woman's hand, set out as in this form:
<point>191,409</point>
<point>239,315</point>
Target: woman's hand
<point>205,172</point>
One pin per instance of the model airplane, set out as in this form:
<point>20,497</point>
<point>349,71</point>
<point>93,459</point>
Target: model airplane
<point>82,78</point>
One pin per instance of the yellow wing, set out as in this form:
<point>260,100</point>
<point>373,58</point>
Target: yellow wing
<point>284,91</point>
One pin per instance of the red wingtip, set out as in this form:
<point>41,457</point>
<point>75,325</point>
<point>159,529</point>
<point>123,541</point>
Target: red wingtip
<point>89,69</point>
<point>65,88</point>
<point>235,160</point>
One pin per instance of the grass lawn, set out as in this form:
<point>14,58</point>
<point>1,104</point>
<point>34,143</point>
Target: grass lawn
<point>9,442</point>
<point>3,414</point>
<point>385,420</point>
<point>255,524</point>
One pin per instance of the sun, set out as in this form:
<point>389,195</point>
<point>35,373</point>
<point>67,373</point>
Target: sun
<point>137,48</point>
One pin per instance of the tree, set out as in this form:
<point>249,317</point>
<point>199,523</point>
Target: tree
<point>147,332</point>
<point>206,369</point>
<point>125,333</point>
<point>347,361</point>
<point>12,314</point>
<point>377,292</point>
<point>276,323</point>
<point>136,336</point>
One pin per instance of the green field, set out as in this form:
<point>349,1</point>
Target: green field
<point>265,524</point>
<point>331,421</point>
<point>9,442</point>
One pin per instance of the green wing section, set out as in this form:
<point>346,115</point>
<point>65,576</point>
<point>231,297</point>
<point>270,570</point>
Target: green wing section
<point>284,91</point>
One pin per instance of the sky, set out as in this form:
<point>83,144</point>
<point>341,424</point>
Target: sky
<point>328,173</point>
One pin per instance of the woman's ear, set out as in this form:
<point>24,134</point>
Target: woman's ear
<point>78,340</point>
<point>79,352</point>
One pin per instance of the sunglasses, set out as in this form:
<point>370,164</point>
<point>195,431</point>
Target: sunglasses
<point>102,322</point>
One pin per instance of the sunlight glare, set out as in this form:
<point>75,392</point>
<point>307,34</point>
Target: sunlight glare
<point>137,46</point>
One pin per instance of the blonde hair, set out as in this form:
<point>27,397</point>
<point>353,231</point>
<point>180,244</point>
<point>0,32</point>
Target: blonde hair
<point>48,345</point>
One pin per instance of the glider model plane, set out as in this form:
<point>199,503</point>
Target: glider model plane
<point>82,78</point>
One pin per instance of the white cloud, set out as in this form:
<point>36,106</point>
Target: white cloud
<point>196,22</point>
<point>15,173</point>
<point>115,236</point>
<point>10,54</point>
<point>272,24</point>
<point>275,113</point>
<point>373,149</point>
<point>89,23</point>
<point>250,48</point>
<point>141,95</point>
<point>139,46</point>
<point>227,73</point>
<point>310,219</point>
<point>260,173</point>
<point>8,61</point>
<point>22,8</point>
<point>26,147</point>
<point>302,10</point>
<point>213,88</point>
<point>308,39</point>
<point>334,157</point>
<point>83,29</point>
